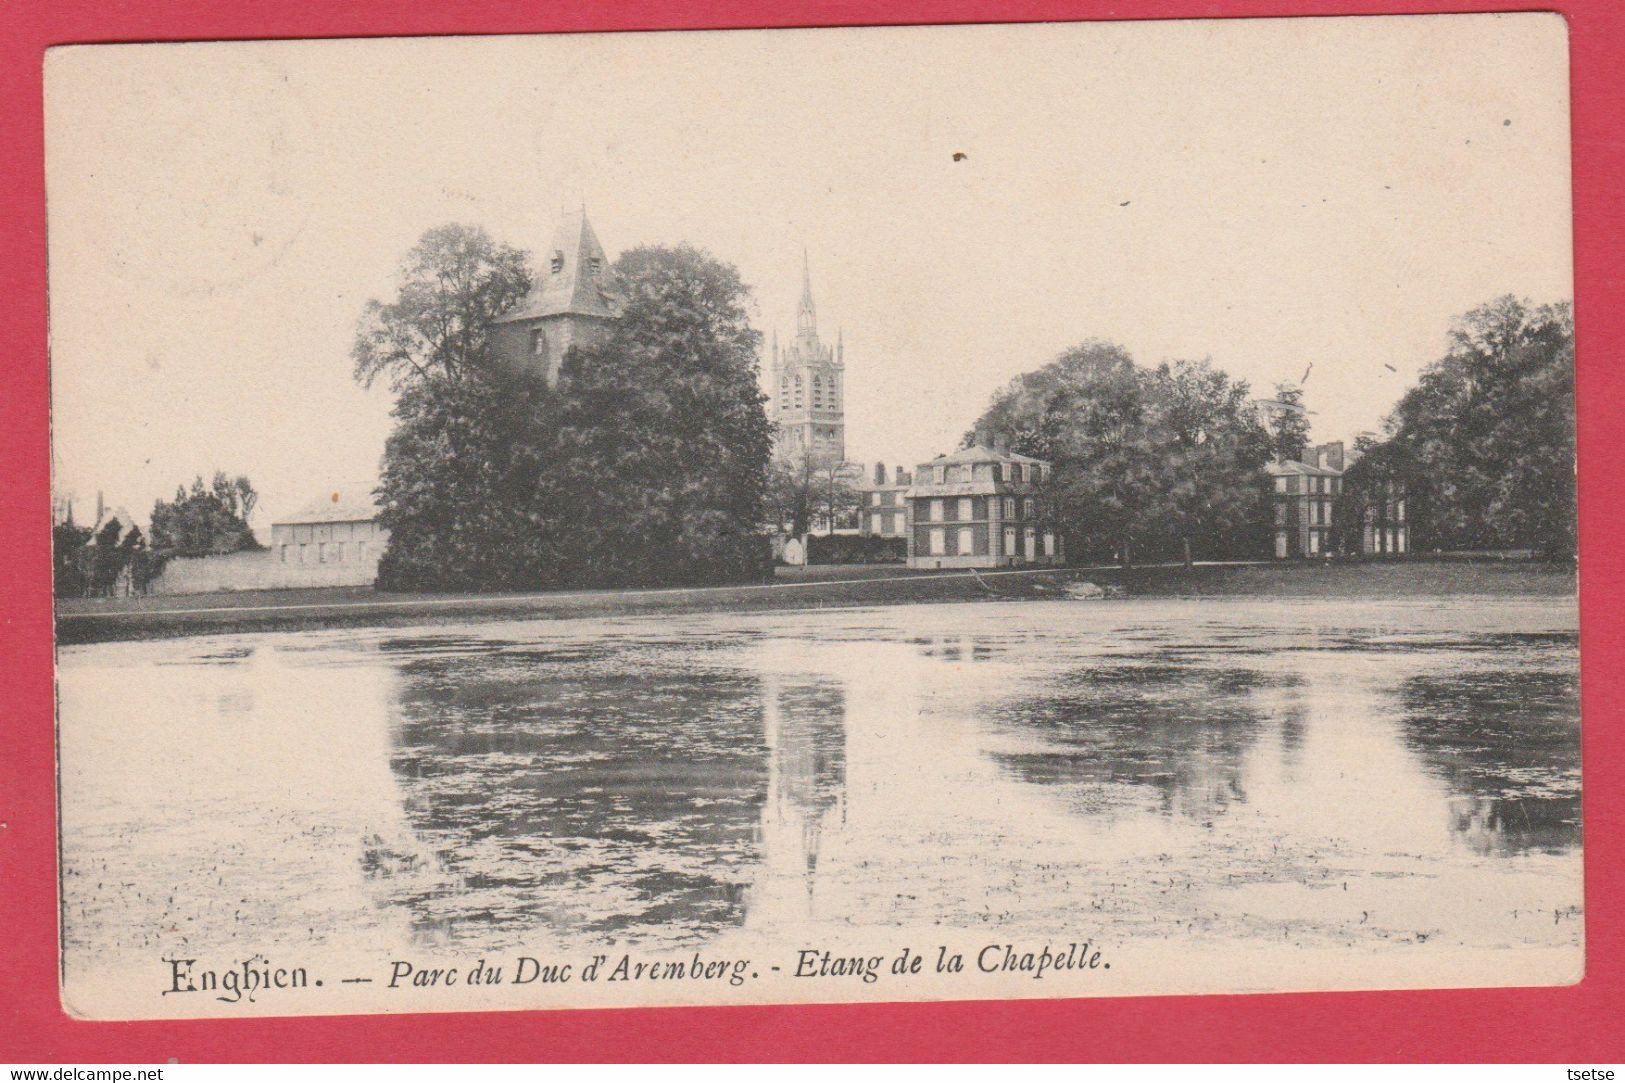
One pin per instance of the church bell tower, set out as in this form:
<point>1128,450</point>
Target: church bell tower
<point>809,393</point>
<point>574,300</point>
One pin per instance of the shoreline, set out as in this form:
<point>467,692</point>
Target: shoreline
<point>97,620</point>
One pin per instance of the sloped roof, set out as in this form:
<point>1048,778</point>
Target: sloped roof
<point>981,453</point>
<point>126,522</point>
<point>335,507</point>
<point>1276,470</point>
<point>573,289</point>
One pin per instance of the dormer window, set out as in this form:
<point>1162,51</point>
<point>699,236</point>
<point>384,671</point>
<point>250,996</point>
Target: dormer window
<point>556,263</point>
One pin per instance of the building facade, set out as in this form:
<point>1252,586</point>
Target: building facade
<point>1385,531</point>
<point>1304,496</point>
<point>331,533</point>
<point>332,542</point>
<point>981,507</point>
<point>809,392</point>
<point>883,503</point>
<point>574,302</point>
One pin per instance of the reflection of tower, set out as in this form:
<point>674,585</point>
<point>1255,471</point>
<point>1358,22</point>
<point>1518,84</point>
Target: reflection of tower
<point>809,411</point>
<point>805,733</point>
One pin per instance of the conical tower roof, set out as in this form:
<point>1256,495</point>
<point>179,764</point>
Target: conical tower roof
<point>572,276</point>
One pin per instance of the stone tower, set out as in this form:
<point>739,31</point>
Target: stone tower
<point>572,303</point>
<point>809,399</point>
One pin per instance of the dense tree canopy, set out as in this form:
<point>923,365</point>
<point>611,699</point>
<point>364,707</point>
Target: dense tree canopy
<point>663,439</point>
<point>645,464</point>
<point>1148,462</point>
<point>1485,440</point>
<point>206,520</point>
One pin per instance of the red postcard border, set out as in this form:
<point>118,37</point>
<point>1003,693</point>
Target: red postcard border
<point>1575,1024</point>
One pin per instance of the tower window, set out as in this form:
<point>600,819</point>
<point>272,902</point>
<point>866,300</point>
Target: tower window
<point>556,264</point>
<point>594,265</point>
<point>538,342</point>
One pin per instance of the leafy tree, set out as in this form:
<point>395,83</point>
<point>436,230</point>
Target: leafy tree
<point>68,573</point>
<point>646,464</point>
<point>1143,459</point>
<point>454,283</point>
<point>462,487</point>
<point>663,442</point>
<point>1488,433</point>
<point>1289,427</point>
<point>1212,449</point>
<point>204,520</point>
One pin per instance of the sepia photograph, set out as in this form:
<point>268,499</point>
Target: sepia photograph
<point>814,516</point>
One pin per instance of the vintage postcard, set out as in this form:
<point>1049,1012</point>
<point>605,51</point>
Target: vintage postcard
<point>924,513</point>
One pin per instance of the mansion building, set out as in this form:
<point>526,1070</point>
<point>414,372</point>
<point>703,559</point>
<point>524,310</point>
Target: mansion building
<point>981,507</point>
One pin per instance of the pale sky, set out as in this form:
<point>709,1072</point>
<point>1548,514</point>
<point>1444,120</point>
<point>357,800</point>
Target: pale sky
<point>1270,193</point>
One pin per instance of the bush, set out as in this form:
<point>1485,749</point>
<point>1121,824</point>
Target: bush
<point>855,549</point>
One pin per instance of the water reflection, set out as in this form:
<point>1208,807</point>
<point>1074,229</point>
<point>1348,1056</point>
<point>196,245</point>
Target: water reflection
<point>566,794</point>
<point>1114,728</point>
<point>1507,741</point>
<point>1168,771</point>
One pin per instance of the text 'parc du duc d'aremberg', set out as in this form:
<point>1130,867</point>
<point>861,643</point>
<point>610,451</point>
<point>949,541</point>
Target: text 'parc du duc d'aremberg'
<point>247,980</point>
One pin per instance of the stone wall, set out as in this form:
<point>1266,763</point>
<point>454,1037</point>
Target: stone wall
<point>260,570</point>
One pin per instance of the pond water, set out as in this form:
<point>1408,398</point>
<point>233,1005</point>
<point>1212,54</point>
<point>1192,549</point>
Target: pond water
<point>1389,776</point>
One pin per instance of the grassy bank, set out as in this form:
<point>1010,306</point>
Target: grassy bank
<point>87,620</point>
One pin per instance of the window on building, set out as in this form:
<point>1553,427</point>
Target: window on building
<point>555,263</point>
<point>1399,511</point>
<point>941,474</point>
<point>936,511</point>
<point>874,498</point>
<point>874,524</point>
<point>538,342</point>
<point>1037,472</point>
<point>1009,507</point>
<point>284,551</point>
<point>321,552</point>
<point>901,523</point>
<point>1009,541</point>
<point>303,552</point>
<point>1031,539</point>
<point>966,542</point>
<point>818,391</point>
<point>1015,471</point>
<point>939,541</point>
<point>1280,485</point>
<point>965,512</point>
<point>594,265</point>
<point>1314,541</point>
<point>1049,544</point>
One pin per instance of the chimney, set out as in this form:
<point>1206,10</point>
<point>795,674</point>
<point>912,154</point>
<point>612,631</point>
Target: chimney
<point>984,438</point>
<point>1001,442</point>
<point>1331,455</point>
<point>904,477</point>
<point>880,473</point>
